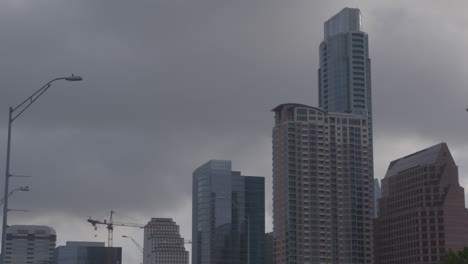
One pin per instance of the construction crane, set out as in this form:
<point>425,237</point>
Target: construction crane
<point>110,226</point>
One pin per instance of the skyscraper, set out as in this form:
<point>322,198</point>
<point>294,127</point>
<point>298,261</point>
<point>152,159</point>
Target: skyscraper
<point>163,243</point>
<point>422,210</point>
<point>269,248</point>
<point>30,244</point>
<point>344,74</point>
<point>322,187</point>
<point>79,252</point>
<point>323,182</point>
<point>377,196</point>
<point>228,218</point>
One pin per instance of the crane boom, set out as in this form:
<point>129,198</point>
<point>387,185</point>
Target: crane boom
<point>110,226</point>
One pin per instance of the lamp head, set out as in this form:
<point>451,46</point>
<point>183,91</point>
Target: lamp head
<point>73,78</point>
<point>24,189</point>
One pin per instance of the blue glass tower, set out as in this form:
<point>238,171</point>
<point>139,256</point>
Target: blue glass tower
<point>344,74</point>
<point>228,217</point>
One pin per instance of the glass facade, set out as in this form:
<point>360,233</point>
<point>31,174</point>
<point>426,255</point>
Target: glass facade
<point>228,215</point>
<point>88,253</point>
<point>344,74</point>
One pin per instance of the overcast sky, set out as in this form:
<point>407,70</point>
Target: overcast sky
<point>171,84</point>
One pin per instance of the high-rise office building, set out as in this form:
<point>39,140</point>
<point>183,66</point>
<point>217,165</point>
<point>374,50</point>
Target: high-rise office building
<point>163,243</point>
<point>322,186</point>
<point>79,252</point>
<point>228,218</point>
<point>27,244</point>
<point>344,76</point>
<point>269,248</point>
<point>422,210</point>
<point>345,73</point>
<point>377,195</point>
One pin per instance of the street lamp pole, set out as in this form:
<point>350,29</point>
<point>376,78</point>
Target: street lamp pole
<point>137,245</point>
<point>12,116</point>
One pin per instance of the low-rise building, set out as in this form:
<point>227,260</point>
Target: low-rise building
<point>30,244</point>
<point>78,252</point>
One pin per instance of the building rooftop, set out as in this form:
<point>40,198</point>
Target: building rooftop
<point>84,244</point>
<point>281,106</point>
<point>347,20</point>
<point>31,229</point>
<point>420,158</point>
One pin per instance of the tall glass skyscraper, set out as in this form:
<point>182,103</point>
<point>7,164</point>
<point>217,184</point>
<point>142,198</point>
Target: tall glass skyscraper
<point>228,218</point>
<point>344,74</point>
<point>323,180</point>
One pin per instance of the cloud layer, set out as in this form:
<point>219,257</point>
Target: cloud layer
<point>171,84</point>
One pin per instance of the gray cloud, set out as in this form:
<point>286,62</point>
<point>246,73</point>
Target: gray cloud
<point>171,84</point>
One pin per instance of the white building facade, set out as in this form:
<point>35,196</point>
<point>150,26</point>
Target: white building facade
<point>163,243</point>
<point>30,244</point>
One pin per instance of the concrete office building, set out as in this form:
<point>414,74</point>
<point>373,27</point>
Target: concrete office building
<point>27,244</point>
<point>79,252</point>
<point>377,196</point>
<point>422,211</point>
<point>228,219</point>
<point>322,186</point>
<point>163,243</point>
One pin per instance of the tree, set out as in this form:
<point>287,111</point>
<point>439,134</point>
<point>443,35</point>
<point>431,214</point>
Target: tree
<point>451,257</point>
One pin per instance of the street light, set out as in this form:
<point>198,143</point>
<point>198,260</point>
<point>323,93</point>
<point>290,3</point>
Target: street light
<point>136,243</point>
<point>23,189</point>
<point>13,114</point>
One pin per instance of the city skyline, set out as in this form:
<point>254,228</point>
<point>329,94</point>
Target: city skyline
<point>122,138</point>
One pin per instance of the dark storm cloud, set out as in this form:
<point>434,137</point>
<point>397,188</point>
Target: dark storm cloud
<point>171,84</point>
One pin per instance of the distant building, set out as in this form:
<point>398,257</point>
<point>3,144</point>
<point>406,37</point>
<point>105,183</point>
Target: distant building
<point>322,186</point>
<point>228,218</point>
<point>163,243</point>
<point>27,244</point>
<point>269,248</point>
<point>78,252</point>
<point>422,211</point>
<point>377,195</point>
